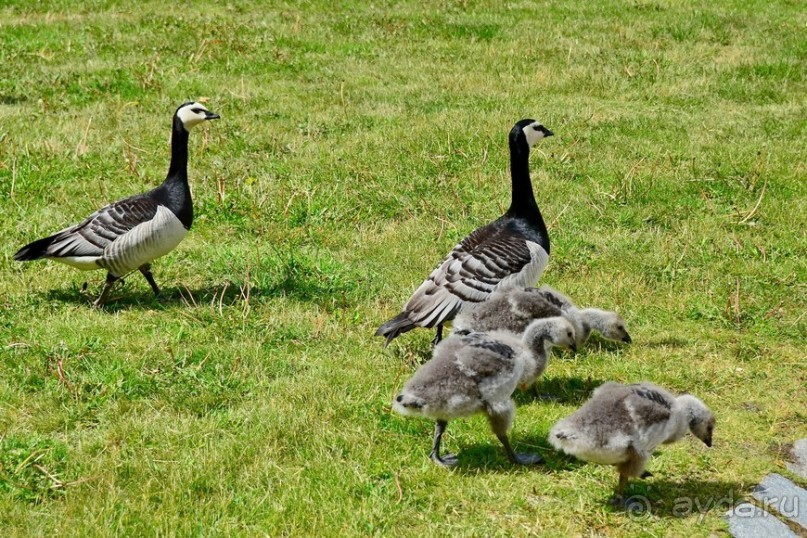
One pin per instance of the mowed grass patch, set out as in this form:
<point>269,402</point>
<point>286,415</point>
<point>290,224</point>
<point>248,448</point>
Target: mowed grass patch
<point>358,143</point>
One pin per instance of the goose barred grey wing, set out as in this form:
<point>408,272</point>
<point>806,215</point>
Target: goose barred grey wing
<point>102,238</point>
<point>483,341</point>
<point>487,259</point>
<point>647,405</point>
<point>103,227</point>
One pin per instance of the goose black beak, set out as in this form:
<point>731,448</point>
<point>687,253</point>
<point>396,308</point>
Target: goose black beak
<point>548,133</point>
<point>627,339</point>
<point>211,115</point>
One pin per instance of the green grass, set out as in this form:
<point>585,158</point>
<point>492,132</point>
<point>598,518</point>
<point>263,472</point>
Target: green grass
<point>356,146</point>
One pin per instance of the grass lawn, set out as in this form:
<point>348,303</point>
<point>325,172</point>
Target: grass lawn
<point>358,143</point>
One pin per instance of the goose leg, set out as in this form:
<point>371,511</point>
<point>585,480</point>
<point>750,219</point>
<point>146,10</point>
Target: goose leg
<point>146,270</point>
<point>633,466</point>
<point>500,420</point>
<point>448,460</point>
<point>438,335</point>
<point>619,495</point>
<point>110,281</point>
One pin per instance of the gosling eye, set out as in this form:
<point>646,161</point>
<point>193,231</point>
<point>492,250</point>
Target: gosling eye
<point>569,334</point>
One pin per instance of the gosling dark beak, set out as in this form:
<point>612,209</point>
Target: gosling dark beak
<point>211,115</point>
<point>708,441</point>
<point>627,339</point>
<point>573,347</point>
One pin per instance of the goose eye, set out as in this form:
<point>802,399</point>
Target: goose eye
<point>536,127</point>
<point>196,110</point>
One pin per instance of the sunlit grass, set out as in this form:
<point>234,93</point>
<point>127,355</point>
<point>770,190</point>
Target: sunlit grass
<point>357,145</point>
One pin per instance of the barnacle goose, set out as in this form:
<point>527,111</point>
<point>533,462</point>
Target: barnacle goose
<point>478,373</point>
<point>511,251</point>
<point>130,233</point>
<point>622,424</point>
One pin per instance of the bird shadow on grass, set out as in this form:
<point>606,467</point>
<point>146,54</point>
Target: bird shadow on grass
<point>565,390</point>
<point>668,341</point>
<point>128,295</point>
<point>681,498</point>
<point>491,458</point>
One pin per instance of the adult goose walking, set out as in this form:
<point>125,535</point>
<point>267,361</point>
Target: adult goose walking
<point>130,233</point>
<point>510,251</point>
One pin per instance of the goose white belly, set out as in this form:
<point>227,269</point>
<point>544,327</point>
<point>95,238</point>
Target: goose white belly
<point>85,263</point>
<point>530,273</point>
<point>579,444</point>
<point>143,243</point>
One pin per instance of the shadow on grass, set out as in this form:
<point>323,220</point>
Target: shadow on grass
<point>669,341</point>
<point>491,458</point>
<point>127,295</point>
<point>566,390</point>
<point>596,344</point>
<point>682,498</point>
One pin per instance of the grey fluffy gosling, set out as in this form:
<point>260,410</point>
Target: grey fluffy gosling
<point>478,373</point>
<point>130,233</point>
<point>510,251</point>
<point>622,424</point>
<point>513,309</point>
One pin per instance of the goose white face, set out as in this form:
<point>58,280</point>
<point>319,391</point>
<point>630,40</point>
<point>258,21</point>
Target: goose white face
<point>193,114</point>
<point>535,132</point>
<point>562,334</point>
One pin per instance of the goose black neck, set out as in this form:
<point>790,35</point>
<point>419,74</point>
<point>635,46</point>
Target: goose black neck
<point>523,204</point>
<point>175,193</point>
<point>179,152</point>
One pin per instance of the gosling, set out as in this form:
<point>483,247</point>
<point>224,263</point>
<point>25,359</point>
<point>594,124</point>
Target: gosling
<point>513,309</point>
<point>621,425</point>
<point>478,373</point>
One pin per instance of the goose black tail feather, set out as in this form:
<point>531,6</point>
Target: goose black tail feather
<point>34,251</point>
<point>395,327</point>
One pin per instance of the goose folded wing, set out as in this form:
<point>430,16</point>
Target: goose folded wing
<point>532,305</point>
<point>469,274</point>
<point>482,358</point>
<point>103,227</point>
<point>648,406</point>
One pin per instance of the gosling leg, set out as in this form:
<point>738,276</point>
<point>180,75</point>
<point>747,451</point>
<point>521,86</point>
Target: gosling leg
<point>448,460</point>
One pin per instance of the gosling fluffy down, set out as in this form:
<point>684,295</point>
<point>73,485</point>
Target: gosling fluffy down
<point>478,373</point>
<point>512,309</point>
<point>622,424</point>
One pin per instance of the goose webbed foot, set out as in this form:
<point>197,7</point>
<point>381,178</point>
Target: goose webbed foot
<point>146,271</point>
<point>447,460</point>
<point>526,458</point>
<point>635,504</point>
<point>519,458</point>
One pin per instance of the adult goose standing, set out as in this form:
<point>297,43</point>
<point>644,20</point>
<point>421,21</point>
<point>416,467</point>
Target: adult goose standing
<point>510,251</point>
<point>130,233</point>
